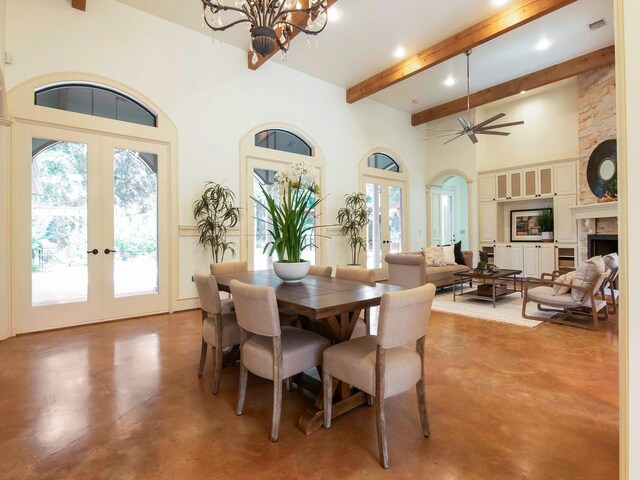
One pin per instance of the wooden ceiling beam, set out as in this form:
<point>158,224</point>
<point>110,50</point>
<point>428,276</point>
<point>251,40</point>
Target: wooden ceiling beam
<point>298,19</point>
<point>518,14</point>
<point>570,68</point>
<point>79,4</point>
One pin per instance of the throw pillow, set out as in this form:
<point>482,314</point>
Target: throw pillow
<point>567,279</point>
<point>433,257</point>
<point>585,275</point>
<point>457,252</point>
<point>611,261</point>
<point>449,255</point>
<point>599,262</point>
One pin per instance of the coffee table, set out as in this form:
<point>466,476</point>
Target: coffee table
<point>496,282</point>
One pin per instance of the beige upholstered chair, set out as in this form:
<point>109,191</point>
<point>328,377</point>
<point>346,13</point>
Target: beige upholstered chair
<point>229,267</point>
<point>383,365</point>
<point>573,303</point>
<point>321,270</point>
<point>359,275</point>
<point>219,329</point>
<point>272,352</point>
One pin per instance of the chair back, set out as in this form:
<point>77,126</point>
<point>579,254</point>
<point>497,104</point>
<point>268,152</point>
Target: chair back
<point>321,270</point>
<point>404,315</point>
<point>356,273</point>
<point>229,267</point>
<point>208,293</point>
<point>256,308</point>
<point>600,281</point>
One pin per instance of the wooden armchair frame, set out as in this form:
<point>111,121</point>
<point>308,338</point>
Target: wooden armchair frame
<point>568,315</point>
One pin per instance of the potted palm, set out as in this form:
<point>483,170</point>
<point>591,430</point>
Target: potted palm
<point>545,222</point>
<point>291,219</point>
<point>353,217</point>
<point>215,213</point>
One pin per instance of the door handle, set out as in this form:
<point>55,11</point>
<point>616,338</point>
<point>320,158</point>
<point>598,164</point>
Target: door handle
<point>107,251</point>
<point>95,251</point>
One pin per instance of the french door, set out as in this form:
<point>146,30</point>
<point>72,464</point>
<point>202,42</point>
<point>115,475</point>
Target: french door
<point>89,228</point>
<point>386,201</point>
<point>442,217</point>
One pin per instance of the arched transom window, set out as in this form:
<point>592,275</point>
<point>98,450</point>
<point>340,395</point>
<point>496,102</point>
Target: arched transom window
<point>382,161</point>
<point>96,100</point>
<point>283,141</point>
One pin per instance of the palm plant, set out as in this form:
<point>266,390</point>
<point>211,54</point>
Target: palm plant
<point>353,217</point>
<point>545,220</point>
<point>215,213</point>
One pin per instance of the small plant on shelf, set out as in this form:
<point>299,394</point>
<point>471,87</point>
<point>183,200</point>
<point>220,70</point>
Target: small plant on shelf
<point>545,222</point>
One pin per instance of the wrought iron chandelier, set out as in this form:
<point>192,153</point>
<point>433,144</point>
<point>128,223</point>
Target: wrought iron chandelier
<point>272,22</point>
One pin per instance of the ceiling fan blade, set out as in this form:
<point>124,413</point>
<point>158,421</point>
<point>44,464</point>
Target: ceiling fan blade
<point>464,123</point>
<point>501,125</point>
<point>440,136</point>
<point>473,138</point>
<point>442,130</point>
<point>457,136</point>
<point>492,119</point>
<point>488,132</point>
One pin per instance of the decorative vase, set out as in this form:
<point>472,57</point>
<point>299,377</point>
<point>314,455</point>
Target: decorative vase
<point>290,271</point>
<point>547,237</point>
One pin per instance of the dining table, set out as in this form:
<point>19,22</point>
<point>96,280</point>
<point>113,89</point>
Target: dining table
<point>337,303</point>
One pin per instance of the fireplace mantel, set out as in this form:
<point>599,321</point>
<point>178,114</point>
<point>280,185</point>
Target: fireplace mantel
<point>596,210</point>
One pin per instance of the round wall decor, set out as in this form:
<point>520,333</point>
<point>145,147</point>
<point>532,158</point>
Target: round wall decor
<point>602,169</point>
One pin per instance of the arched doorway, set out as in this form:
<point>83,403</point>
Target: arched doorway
<point>91,203</point>
<point>448,209</point>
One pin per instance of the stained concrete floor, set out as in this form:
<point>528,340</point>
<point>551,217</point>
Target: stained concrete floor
<point>122,401</point>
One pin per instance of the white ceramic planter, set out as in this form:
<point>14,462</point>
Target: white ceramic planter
<point>547,237</point>
<point>291,272</point>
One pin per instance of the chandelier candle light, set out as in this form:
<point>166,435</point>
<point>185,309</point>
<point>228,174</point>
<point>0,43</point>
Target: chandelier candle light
<point>272,22</point>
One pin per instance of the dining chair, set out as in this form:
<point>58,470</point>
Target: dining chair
<point>321,270</point>
<point>273,352</point>
<point>219,329</point>
<point>359,275</point>
<point>228,267</point>
<point>384,365</point>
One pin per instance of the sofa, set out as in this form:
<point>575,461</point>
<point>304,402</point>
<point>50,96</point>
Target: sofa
<point>409,270</point>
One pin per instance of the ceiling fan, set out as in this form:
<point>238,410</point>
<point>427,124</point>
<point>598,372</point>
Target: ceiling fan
<point>483,128</point>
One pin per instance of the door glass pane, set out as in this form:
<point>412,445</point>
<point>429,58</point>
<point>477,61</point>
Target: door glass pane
<point>58,222</point>
<point>266,179</point>
<point>374,228</point>
<point>135,222</point>
<point>395,219</point>
<point>446,217</point>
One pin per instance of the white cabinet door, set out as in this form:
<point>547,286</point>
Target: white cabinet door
<point>530,187</point>
<point>501,256</point>
<point>488,222</point>
<point>565,178</point>
<point>545,181</point>
<point>502,186</point>
<point>487,188</point>
<point>565,225</point>
<point>531,254</point>
<point>516,259</point>
<point>515,184</point>
<point>547,263</point>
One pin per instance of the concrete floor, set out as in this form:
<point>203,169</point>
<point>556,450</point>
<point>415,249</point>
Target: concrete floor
<point>122,401</point>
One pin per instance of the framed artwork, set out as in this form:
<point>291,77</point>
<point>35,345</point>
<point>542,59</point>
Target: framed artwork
<point>524,226</point>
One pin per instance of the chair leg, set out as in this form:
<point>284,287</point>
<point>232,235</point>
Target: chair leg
<point>382,431</point>
<point>277,408</point>
<point>287,384</point>
<point>217,368</point>
<point>422,408</point>
<point>367,320</point>
<point>327,383</point>
<point>203,357</point>
<point>244,373</point>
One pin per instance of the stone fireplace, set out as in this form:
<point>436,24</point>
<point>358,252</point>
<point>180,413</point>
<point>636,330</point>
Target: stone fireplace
<point>601,245</point>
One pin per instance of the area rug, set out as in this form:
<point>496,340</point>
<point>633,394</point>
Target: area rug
<point>508,309</point>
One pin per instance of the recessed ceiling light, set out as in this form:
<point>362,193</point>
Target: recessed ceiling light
<point>399,52</point>
<point>449,81</point>
<point>415,101</point>
<point>543,44</point>
<point>334,14</point>
<point>499,3</point>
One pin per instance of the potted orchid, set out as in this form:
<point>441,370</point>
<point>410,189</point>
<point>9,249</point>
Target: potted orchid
<point>291,219</point>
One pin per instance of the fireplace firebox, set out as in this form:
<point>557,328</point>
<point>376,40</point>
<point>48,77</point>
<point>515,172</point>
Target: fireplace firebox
<point>601,245</point>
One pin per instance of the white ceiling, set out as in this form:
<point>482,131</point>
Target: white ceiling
<point>362,42</point>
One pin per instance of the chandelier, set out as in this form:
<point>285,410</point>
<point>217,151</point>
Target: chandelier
<point>272,22</point>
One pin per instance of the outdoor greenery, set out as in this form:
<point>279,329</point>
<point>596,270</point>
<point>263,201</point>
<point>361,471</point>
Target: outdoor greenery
<point>215,213</point>
<point>353,217</point>
<point>290,218</point>
<point>545,220</point>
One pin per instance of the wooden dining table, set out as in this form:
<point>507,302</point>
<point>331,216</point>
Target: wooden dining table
<point>337,303</point>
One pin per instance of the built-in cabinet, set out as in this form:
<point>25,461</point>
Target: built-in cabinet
<point>527,188</point>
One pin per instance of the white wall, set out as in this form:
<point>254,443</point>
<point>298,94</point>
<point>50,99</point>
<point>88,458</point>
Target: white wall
<point>213,99</point>
<point>550,131</point>
<point>628,54</point>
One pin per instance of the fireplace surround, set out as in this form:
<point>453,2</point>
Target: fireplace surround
<point>600,244</point>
